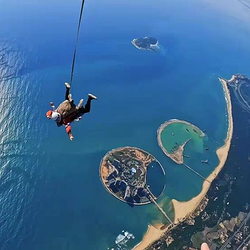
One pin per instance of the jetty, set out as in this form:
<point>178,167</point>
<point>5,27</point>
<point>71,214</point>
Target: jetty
<point>153,199</point>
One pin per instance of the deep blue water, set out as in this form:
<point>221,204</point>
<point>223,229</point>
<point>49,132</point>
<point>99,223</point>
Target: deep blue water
<point>51,195</point>
<point>155,178</point>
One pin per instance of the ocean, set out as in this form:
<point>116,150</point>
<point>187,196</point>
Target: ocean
<point>51,195</point>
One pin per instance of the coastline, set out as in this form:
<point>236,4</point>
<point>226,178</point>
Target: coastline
<point>152,234</point>
<point>184,209</point>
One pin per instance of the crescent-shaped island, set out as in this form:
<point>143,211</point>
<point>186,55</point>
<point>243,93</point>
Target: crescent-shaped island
<point>173,135</point>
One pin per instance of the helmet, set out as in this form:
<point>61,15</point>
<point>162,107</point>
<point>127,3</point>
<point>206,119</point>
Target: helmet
<point>49,113</point>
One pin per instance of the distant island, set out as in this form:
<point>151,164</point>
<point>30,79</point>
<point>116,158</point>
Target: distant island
<point>123,172</point>
<point>146,43</point>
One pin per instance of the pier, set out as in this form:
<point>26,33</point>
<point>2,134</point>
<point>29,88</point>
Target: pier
<point>184,164</point>
<point>153,199</point>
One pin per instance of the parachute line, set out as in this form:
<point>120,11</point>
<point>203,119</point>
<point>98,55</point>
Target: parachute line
<point>77,38</point>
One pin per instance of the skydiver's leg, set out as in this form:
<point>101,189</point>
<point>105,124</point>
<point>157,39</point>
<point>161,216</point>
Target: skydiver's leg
<point>88,104</point>
<point>82,110</point>
<point>79,104</point>
<point>67,91</point>
<point>86,109</point>
<point>68,96</point>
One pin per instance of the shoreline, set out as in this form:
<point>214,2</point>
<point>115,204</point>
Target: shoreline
<point>181,210</point>
<point>186,208</point>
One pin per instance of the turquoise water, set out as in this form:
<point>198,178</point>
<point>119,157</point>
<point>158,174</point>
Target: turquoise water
<point>176,134</point>
<point>51,194</point>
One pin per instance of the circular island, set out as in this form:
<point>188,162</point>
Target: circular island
<point>173,135</point>
<point>132,175</point>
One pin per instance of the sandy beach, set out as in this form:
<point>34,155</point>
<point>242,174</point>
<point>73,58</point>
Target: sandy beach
<point>184,209</point>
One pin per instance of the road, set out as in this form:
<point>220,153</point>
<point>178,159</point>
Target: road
<point>241,225</point>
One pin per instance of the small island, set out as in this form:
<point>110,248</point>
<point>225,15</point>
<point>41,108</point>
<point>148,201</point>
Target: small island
<point>146,43</point>
<point>123,172</point>
<point>172,146</point>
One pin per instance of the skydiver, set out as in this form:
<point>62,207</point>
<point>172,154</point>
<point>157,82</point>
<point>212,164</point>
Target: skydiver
<point>67,111</point>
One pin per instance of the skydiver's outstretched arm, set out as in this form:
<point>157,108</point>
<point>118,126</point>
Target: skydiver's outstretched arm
<point>68,130</point>
<point>71,137</point>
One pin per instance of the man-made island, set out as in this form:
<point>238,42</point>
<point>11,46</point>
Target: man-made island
<point>123,172</point>
<point>173,135</point>
<point>187,209</point>
<point>146,43</point>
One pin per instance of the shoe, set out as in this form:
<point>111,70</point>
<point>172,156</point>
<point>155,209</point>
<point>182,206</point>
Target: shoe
<point>80,104</point>
<point>67,85</point>
<point>70,98</point>
<point>92,96</point>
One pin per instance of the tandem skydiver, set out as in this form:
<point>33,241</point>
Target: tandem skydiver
<point>67,112</point>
